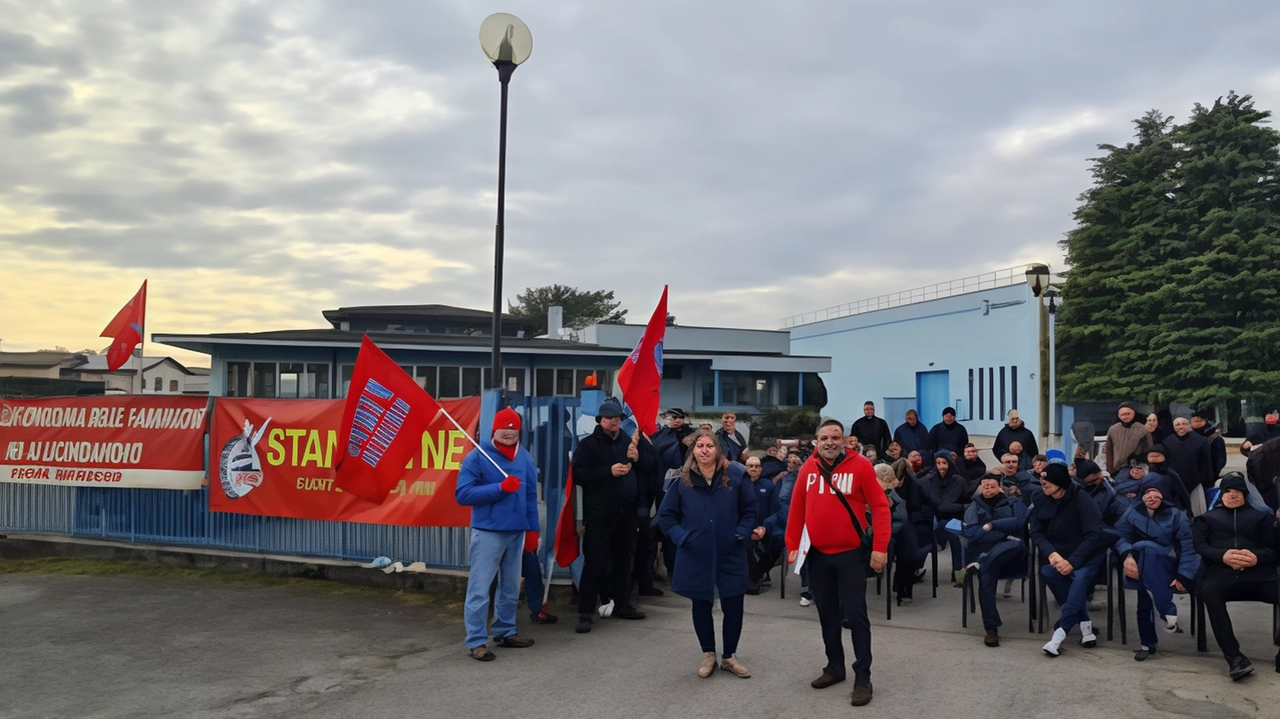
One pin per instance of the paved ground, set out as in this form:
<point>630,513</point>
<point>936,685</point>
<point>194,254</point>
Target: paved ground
<point>130,646</point>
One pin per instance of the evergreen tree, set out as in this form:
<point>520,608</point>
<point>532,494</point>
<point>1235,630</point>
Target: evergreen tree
<point>1175,260</point>
<point>580,308</point>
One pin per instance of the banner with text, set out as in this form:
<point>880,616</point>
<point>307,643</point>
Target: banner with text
<point>274,457</point>
<point>114,441</point>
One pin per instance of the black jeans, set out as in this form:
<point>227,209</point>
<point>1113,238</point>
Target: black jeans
<point>839,586</point>
<point>642,565</point>
<point>761,557</point>
<point>905,562</point>
<point>607,547</point>
<point>731,627</point>
<point>1216,589</point>
<point>1002,560</point>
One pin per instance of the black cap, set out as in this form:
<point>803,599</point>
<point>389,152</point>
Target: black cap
<point>1086,467</point>
<point>610,408</point>
<point>1235,481</point>
<point>677,413</point>
<point>1058,474</point>
<point>949,411</point>
<point>1128,405</point>
<point>1158,448</point>
<point>1200,414</point>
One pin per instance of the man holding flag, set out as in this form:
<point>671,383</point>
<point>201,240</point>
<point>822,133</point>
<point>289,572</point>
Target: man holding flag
<point>500,484</point>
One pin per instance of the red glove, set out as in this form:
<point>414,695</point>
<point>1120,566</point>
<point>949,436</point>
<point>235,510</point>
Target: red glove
<point>530,542</point>
<point>510,484</point>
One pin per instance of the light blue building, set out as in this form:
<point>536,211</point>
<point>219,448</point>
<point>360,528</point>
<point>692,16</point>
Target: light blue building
<point>974,344</point>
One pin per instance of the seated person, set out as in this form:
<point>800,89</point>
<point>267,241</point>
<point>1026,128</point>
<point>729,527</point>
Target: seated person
<point>1111,504</point>
<point>994,524</point>
<point>1066,527</point>
<point>1024,459</point>
<point>893,453</point>
<point>1159,559</point>
<point>1128,481</point>
<point>1029,479</point>
<point>972,468</point>
<point>948,496</point>
<point>1237,545</point>
<point>1156,465</point>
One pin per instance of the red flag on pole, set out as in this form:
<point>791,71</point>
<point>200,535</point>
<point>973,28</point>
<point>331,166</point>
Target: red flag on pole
<point>566,547</point>
<point>125,329</point>
<point>641,375</point>
<point>382,425</point>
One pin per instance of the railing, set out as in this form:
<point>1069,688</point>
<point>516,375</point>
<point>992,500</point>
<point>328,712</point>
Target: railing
<point>986,281</point>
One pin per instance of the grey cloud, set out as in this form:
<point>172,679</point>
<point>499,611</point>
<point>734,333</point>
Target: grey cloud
<point>39,108</point>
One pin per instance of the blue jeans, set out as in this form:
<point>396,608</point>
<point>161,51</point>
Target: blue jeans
<point>1156,567</point>
<point>1072,591</point>
<point>1006,559</point>
<point>531,570</point>
<point>493,554</point>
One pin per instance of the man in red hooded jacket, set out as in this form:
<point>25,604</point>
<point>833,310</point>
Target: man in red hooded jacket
<point>830,487</point>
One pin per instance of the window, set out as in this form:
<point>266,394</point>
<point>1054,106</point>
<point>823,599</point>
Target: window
<point>791,389</point>
<point>290,380</point>
<point>318,381</point>
<point>345,371</point>
<point>238,379</point>
<point>708,394</point>
<point>470,381</point>
<point>159,384</point>
<point>544,382</point>
<point>426,378</point>
<point>514,380</point>
<point>673,371</point>
<point>450,382</point>
<point>564,383</point>
<point>264,379</point>
<point>173,385</point>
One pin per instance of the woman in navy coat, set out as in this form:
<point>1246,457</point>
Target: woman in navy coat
<point>710,515</point>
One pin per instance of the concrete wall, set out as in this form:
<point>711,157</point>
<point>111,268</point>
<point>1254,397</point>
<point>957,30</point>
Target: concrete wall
<point>692,338</point>
<point>47,372</point>
<point>876,355</point>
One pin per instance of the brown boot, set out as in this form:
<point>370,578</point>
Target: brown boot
<point>730,664</point>
<point>708,664</point>
<point>827,679</point>
<point>861,695</point>
<point>993,638</point>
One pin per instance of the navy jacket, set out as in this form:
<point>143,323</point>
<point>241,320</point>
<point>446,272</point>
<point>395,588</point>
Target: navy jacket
<point>775,523</point>
<point>947,495</point>
<point>731,444</point>
<point>912,438</point>
<point>1008,518</point>
<point>1111,504</point>
<point>711,528</point>
<point>951,437</point>
<point>1071,526</point>
<point>1189,457</point>
<point>491,508</point>
<point>765,492</point>
<point>1220,529</point>
<point>670,447</point>
<point>1168,527</point>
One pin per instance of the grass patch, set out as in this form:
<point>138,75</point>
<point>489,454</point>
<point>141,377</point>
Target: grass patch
<point>75,566</point>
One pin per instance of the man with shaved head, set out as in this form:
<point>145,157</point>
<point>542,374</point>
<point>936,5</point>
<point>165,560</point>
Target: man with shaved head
<point>1015,431</point>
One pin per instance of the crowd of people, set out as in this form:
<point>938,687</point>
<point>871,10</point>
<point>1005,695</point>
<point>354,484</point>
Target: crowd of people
<point>715,518</point>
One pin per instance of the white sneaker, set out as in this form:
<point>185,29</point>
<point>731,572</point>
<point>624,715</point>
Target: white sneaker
<point>1054,646</point>
<point>1171,624</point>
<point>606,610</point>
<point>806,599</point>
<point>1087,637</point>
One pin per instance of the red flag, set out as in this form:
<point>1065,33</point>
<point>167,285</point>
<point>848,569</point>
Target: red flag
<point>382,425</point>
<point>566,548</point>
<point>125,330</point>
<point>641,375</point>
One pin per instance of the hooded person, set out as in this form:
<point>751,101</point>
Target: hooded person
<point>1237,545</point>
<point>1127,437</point>
<point>500,484</point>
<point>948,496</point>
<point>1066,527</point>
<point>1159,559</point>
<point>1173,489</point>
<point>1110,503</point>
<point>608,466</point>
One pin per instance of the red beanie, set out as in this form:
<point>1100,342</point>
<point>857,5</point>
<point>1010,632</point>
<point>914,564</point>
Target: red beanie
<point>506,418</point>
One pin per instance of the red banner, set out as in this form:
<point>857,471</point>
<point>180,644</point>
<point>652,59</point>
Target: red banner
<point>121,441</point>
<point>274,457</point>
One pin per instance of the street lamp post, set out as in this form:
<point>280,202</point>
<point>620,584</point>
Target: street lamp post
<point>1051,299</point>
<point>507,42</point>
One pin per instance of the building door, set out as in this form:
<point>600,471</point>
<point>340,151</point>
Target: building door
<point>933,393</point>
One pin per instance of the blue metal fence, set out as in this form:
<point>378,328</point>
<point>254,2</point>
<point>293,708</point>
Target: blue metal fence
<point>182,518</point>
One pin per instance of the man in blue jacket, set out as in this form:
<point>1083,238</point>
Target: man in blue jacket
<point>911,435</point>
<point>994,524</point>
<point>761,555</point>
<point>504,521</point>
<point>1066,526</point>
<point>1159,558</point>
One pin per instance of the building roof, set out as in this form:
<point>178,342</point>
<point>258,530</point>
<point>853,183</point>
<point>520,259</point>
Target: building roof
<point>98,363</point>
<point>335,317</point>
<point>41,359</point>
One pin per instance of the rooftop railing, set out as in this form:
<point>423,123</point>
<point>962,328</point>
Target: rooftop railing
<point>951,288</point>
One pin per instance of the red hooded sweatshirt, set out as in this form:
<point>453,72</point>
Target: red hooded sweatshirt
<point>830,530</point>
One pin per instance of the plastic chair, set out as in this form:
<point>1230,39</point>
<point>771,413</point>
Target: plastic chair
<point>968,599</point>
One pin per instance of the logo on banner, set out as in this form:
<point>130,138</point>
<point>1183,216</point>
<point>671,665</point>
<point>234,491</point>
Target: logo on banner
<point>379,416</point>
<point>240,469</point>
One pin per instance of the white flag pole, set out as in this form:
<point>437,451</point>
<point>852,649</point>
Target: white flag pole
<point>472,440</point>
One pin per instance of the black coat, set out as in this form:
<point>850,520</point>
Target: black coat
<point>1071,526</point>
<point>670,445</point>
<point>602,493</point>
<point>873,431</point>
<point>1263,466</point>
<point>951,437</point>
<point>1217,448</point>
<point>1189,457</point>
<point>1007,436</point>
<point>948,495</point>
<point>1220,529</point>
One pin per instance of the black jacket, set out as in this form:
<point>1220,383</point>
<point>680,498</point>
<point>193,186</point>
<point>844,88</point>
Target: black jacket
<point>1189,457</point>
<point>910,438</point>
<point>948,494</point>
<point>1007,436</point>
<point>669,444</point>
<point>873,431</point>
<point>1071,526</point>
<point>1263,466</point>
<point>602,493</point>
<point>1220,529</point>
<point>1217,448</point>
<point>951,437</point>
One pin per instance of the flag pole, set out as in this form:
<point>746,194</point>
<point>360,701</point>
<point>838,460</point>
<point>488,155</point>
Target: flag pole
<point>142,368</point>
<point>470,439</point>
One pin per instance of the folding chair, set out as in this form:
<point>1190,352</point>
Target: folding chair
<point>968,600</point>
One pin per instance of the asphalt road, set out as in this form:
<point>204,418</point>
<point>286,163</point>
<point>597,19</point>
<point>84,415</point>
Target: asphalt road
<point>73,646</point>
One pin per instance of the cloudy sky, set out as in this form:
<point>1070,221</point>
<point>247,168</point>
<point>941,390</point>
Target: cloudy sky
<point>259,162</point>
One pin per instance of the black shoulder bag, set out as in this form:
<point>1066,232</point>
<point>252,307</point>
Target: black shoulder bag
<point>866,533</point>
